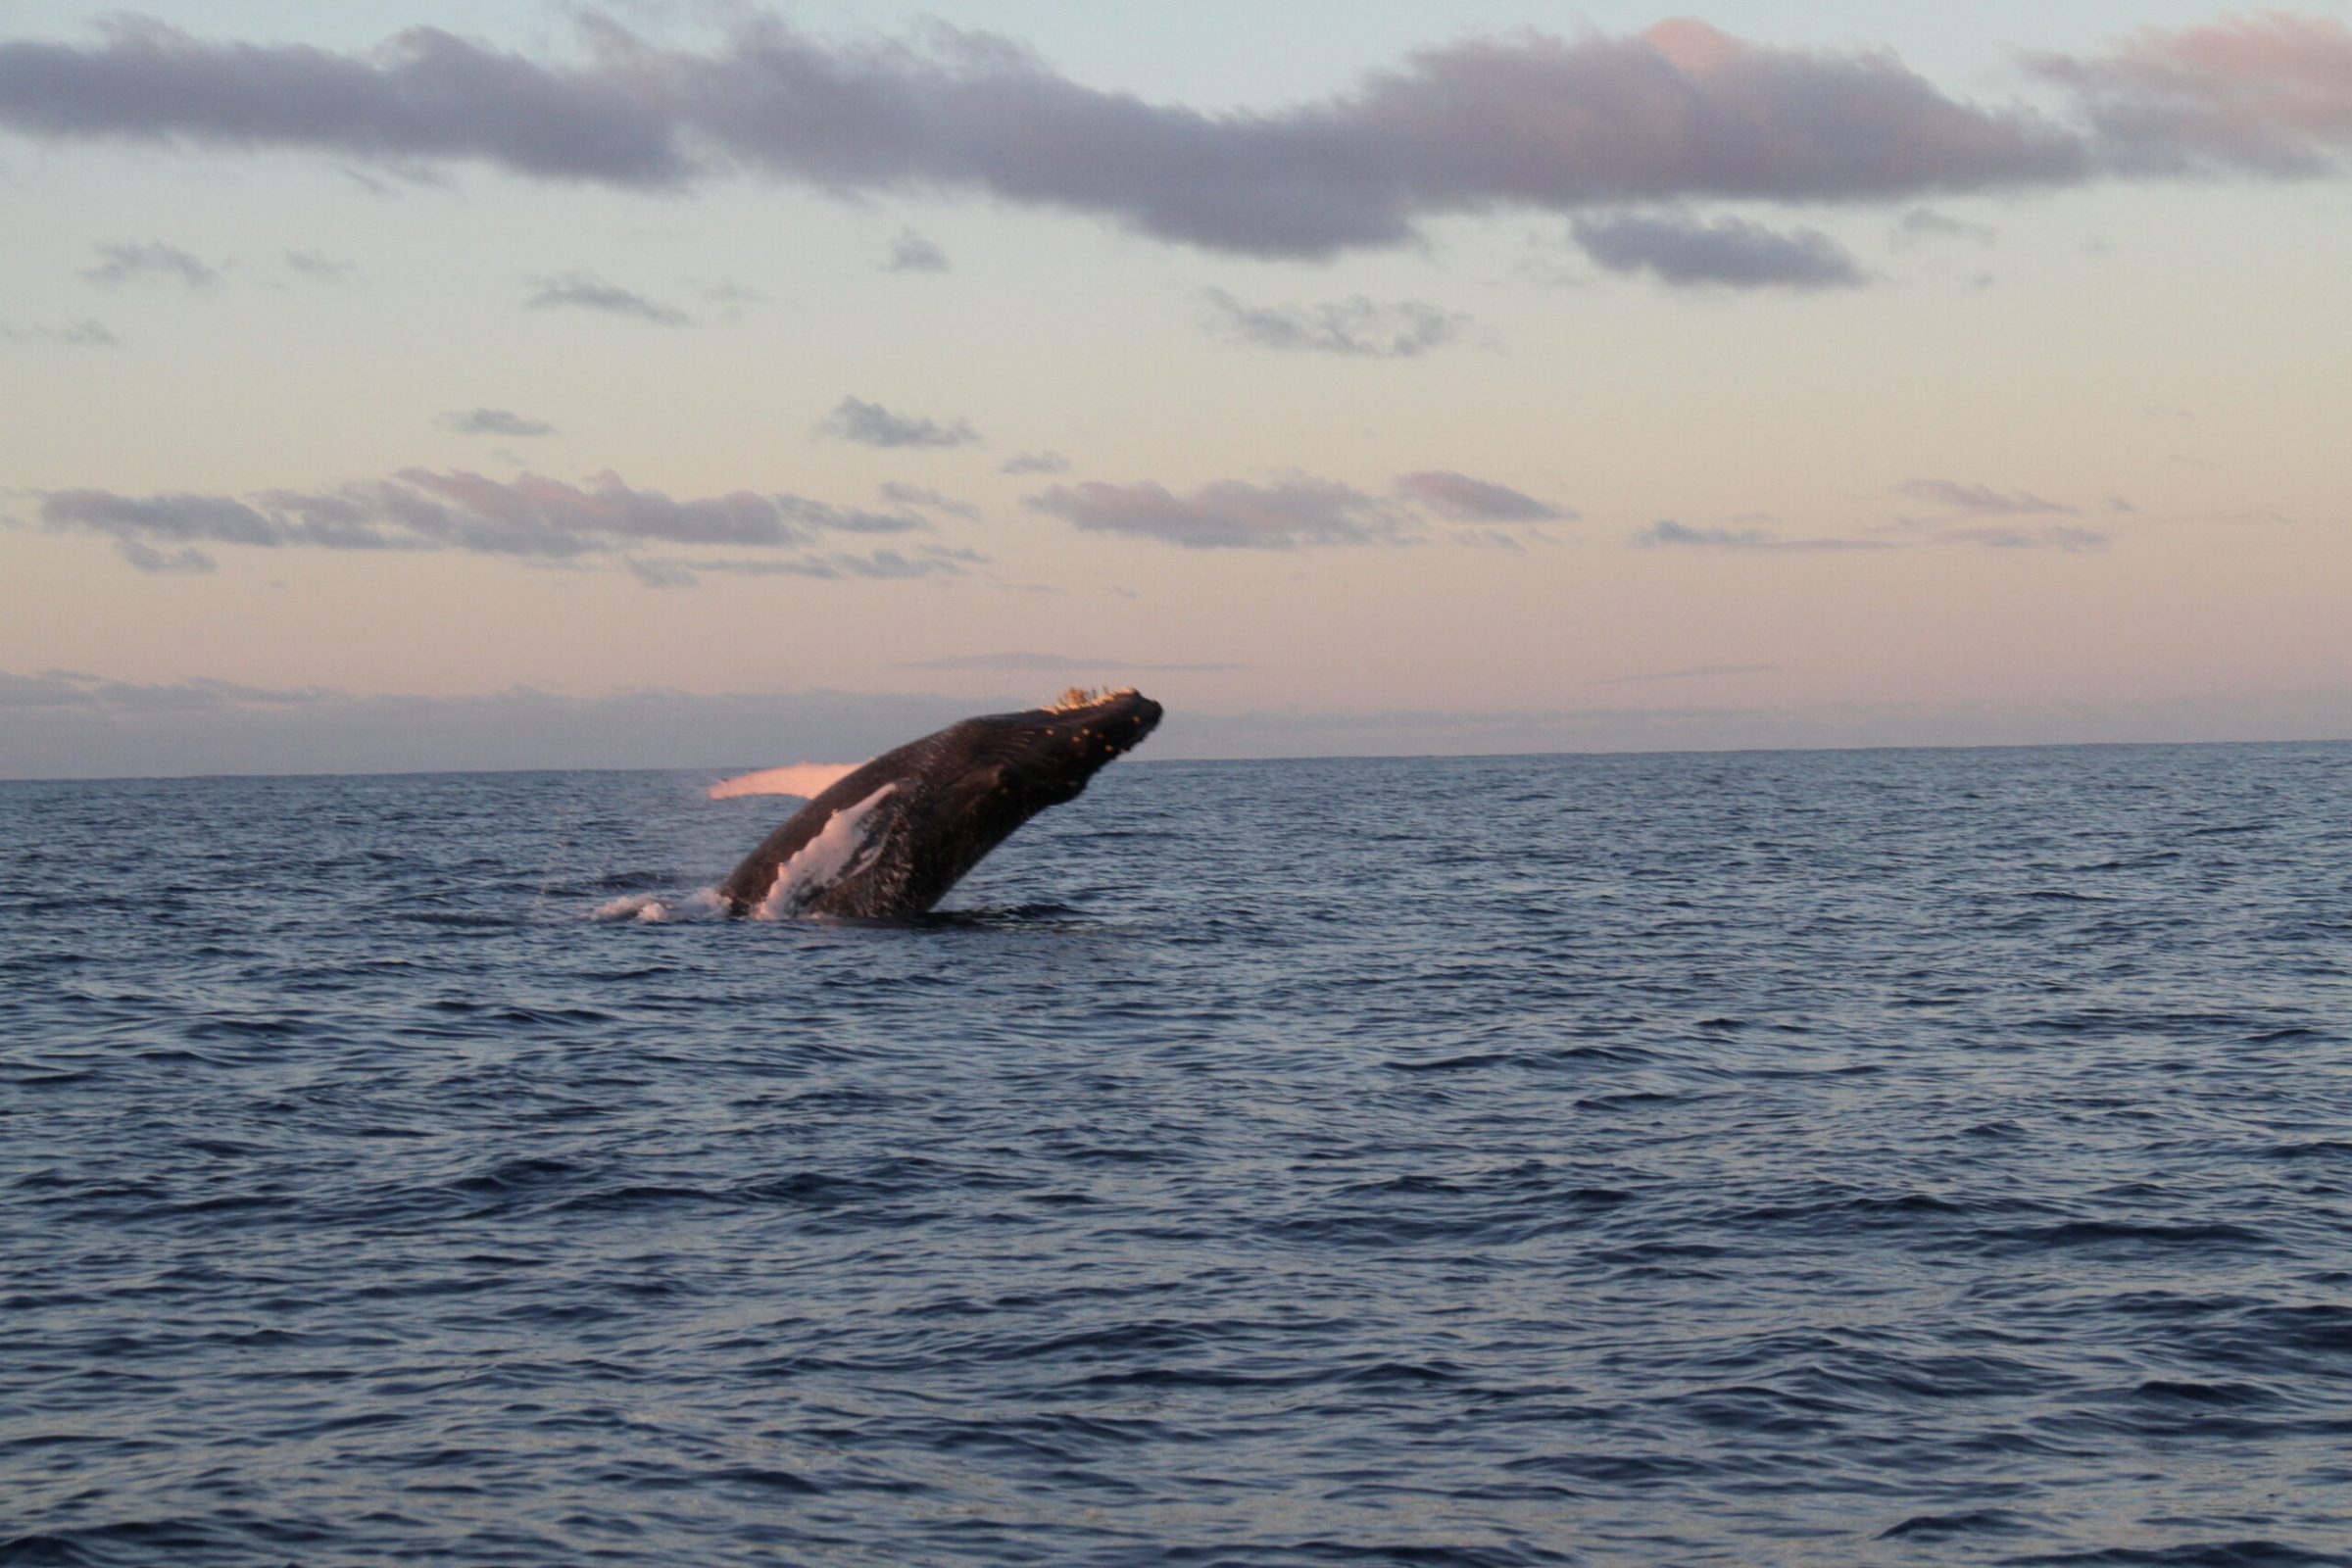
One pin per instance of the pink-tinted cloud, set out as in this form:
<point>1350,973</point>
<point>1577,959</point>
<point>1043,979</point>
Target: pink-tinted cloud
<point>2269,93</point>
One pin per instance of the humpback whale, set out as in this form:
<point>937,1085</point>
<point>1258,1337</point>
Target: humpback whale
<point>889,839</point>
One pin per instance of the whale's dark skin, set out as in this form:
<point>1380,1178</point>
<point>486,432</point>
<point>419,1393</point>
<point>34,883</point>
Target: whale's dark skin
<point>908,825</point>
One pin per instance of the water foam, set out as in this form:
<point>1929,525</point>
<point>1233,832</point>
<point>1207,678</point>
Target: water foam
<point>838,850</point>
<point>655,908</point>
<point>808,780</point>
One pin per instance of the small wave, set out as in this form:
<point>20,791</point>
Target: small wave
<point>2256,1553</point>
<point>1981,1522</point>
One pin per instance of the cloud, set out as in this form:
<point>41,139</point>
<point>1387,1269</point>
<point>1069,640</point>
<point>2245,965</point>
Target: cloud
<point>1680,112</point>
<point>1298,511</point>
<point>1980,499</point>
<point>1466,500</point>
<point>1922,226</point>
<point>1037,463</point>
<point>424,95</point>
<point>495,421</point>
<point>1356,327</point>
<point>879,565</point>
<point>530,517</point>
<point>1728,251</point>
<point>1228,515</point>
<point>79,689</point>
<point>320,267</point>
<point>911,253</point>
<point>2061,537</point>
<point>1051,664</point>
<point>923,496</point>
<point>1668,533</point>
<point>82,335</point>
<point>1693,672</point>
<point>2269,93</point>
<point>593,294</point>
<point>61,725</point>
<point>151,262</point>
<point>869,424</point>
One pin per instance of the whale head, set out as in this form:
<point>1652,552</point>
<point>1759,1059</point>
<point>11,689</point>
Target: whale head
<point>1022,763</point>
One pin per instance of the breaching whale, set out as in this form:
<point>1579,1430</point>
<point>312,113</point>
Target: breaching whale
<point>891,838</point>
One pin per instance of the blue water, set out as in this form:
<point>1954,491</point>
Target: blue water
<point>1866,1157</point>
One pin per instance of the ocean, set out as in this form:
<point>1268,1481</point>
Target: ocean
<point>1854,1157</point>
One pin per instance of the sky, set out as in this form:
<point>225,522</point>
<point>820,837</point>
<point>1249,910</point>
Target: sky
<point>403,384</point>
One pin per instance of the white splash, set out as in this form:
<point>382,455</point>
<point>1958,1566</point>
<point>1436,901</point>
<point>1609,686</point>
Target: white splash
<point>652,909</point>
<point>807,780</point>
<point>838,850</point>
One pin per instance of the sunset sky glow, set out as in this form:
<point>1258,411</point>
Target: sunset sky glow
<point>396,385</point>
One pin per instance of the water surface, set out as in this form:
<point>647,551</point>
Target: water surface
<point>1837,1158</point>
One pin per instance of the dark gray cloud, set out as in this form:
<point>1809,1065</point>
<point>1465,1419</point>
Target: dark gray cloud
<point>1680,112</point>
<point>1356,327</point>
<point>1466,500</point>
<point>1054,664</point>
<point>1228,515</point>
<point>83,334</point>
<point>530,518</point>
<point>1728,251</point>
<point>1670,534</point>
<point>588,293</point>
<point>1980,499</point>
<point>869,424</point>
<point>150,262</point>
<point>911,253</point>
<point>496,422</point>
<point>1038,462</point>
<point>2267,93</point>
